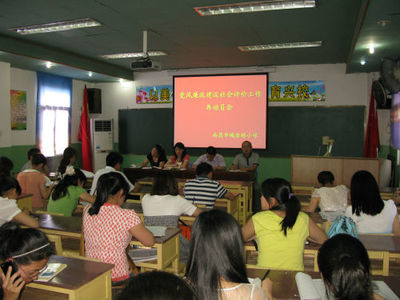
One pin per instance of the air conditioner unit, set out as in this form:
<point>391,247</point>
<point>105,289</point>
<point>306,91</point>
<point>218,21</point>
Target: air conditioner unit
<point>102,141</point>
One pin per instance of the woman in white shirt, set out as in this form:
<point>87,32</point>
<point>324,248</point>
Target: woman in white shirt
<point>369,212</point>
<point>164,206</point>
<point>328,197</point>
<point>9,211</point>
<point>216,266</point>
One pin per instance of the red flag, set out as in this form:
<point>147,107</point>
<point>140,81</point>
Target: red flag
<point>84,135</point>
<point>371,144</point>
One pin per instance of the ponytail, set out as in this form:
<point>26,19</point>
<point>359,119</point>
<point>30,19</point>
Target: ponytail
<point>281,190</point>
<point>69,153</point>
<point>61,188</point>
<point>344,264</point>
<point>23,245</point>
<point>108,184</point>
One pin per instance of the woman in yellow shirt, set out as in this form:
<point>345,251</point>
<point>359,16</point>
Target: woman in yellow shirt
<point>281,228</point>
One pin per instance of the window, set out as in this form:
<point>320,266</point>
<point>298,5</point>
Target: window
<point>53,113</point>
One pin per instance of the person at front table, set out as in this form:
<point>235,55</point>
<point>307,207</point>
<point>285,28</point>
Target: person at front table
<point>248,161</point>
<point>180,159</point>
<point>211,157</point>
<point>156,157</point>
<point>108,228</point>
<point>113,164</point>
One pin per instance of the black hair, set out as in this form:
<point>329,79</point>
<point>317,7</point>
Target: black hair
<point>180,146</point>
<point>61,189</point>
<point>216,252</point>
<point>6,165</point>
<point>325,177</point>
<point>38,159</point>
<point>203,169</point>
<point>69,153</point>
<point>33,151</point>
<point>107,185</point>
<point>157,285</point>
<point>365,196</point>
<point>7,183</point>
<point>344,264</point>
<point>114,158</point>
<point>16,241</point>
<point>211,150</point>
<point>281,190</point>
<point>161,152</point>
<point>164,183</point>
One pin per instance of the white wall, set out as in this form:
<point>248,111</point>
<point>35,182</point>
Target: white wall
<point>341,88</point>
<point>5,119</point>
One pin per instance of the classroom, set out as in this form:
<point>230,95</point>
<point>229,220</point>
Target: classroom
<point>343,62</point>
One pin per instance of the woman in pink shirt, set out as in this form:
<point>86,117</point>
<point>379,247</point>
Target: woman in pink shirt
<point>108,228</point>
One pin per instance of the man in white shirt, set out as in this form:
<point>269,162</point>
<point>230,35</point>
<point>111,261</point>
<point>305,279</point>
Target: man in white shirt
<point>113,164</point>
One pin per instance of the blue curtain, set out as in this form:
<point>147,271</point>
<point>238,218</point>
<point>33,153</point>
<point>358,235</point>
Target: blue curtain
<point>45,83</point>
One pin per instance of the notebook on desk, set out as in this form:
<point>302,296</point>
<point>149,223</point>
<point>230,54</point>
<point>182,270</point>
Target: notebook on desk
<point>157,230</point>
<point>51,271</point>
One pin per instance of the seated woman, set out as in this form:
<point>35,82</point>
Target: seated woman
<point>281,228</point>
<point>157,285</point>
<point>9,211</point>
<point>70,155</point>
<point>369,212</point>
<point>67,193</point>
<point>25,251</point>
<point>108,228</point>
<point>345,268</point>
<point>164,206</point>
<point>216,264</point>
<point>156,157</point>
<point>180,159</point>
<point>328,197</point>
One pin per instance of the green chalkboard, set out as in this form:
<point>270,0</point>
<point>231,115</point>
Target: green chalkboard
<point>290,130</point>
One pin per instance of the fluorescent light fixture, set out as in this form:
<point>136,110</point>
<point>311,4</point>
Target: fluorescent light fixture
<point>90,74</point>
<point>48,64</point>
<point>250,7</point>
<point>371,48</point>
<point>280,46</point>
<point>57,26</point>
<point>133,54</point>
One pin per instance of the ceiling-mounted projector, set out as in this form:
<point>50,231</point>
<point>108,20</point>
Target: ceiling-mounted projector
<point>143,63</point>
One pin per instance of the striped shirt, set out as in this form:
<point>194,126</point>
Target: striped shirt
<point>203,191</point>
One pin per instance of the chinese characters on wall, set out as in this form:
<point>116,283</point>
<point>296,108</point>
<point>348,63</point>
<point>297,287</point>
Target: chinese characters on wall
<point>296,91</point>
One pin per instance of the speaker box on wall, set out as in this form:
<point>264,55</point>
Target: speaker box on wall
<point>94,101</point>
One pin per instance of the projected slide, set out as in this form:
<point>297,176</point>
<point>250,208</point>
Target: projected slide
<point>220,110</point>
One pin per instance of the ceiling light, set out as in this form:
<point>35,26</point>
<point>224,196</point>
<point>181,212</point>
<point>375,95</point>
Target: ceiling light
<point>383,23</point>
<point>48,64</point>
<point>280,46</point>
<point>253,7</point>
<point>363,62</point>
<point>371,48</point>
<point>56,26</point>
<point>133,54</point>
<point>90,74</point>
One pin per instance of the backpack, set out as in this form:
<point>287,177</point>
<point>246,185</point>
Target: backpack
<point>342,224</point>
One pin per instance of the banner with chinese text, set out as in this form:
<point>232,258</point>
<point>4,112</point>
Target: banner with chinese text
<point>18,110</point>
<point>158,94</point>
<point>296,91</point>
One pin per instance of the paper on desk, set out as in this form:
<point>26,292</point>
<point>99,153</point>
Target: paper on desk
<point>51,271</point>
<point>306,288</point>
<point>157,230</point>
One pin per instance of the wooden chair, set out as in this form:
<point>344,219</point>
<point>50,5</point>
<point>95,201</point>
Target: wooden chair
<point>381,256</point>
<point>56,241</point>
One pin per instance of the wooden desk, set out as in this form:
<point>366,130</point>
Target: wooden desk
<point>25,201</point>
<point>285,287</point>
<point>80,280</point>
<point>167,252</point>
<point>60,225</point>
